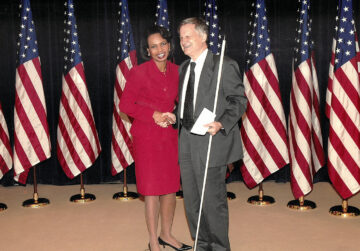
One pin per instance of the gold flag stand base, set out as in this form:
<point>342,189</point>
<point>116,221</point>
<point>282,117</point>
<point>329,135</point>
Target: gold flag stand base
<point>82,197</point>
<point>261,199</point>
<point>344,210</point>
<point>179,194</point>
<point>125,195</point>
<point>258,201</point>
<point>78,198</point>
<point>2,207</point>
<point>231,196</point>
<point>36,202</point>
<point>301,204</point>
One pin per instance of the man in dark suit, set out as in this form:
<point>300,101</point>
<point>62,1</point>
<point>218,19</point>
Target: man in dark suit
<point>197,86</point>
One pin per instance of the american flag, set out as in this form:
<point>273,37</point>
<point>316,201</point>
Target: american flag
<point>121,146</point>
<point>305,138</point>
<point>77,139</point>
<point>31,137</point>
<point>344,106</point>
<point>212,20</point>
<point>162,16</point>
<point>5,148</point>
<point>263,128</point>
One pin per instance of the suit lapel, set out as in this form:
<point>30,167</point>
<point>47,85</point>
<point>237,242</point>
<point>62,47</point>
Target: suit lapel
<point>204,84</point>
<point>181,82</point>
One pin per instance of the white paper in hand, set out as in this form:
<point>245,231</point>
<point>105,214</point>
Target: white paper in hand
<point>206,117</point>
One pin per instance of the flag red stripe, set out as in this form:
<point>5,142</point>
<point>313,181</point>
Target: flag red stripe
<point>29,130</point>
<point>343,154</point>
<point>37,65</point>
<point>5,139</point>
<point>254,155</point>
<point>33,96</point>
<point>3,166</point>
<point>119,154</point>
<point>123,132</point>
<point>267,106</point>
<point>300,121</point>
<point>81,102</point>
<point>118,92</point>
<point>318,148</point>
<point>77,129</point>
<point>124,69</point>
<point>24,160</point>
<point>71,149</point>
<point>63,163</point>
<point>348,87</point>
<point>266,140</point>
<point>345,120</point>
<point>248,179</point>
<point>301,160</point>
<point>338,182</point>
<point>133,59</point>
<point>303,85</point>
<point>270,76</point>
<point>315,137</point>
<point>295,188</point>
<point>329,87</point>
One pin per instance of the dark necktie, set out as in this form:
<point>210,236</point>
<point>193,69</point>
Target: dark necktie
<point>188,116</point>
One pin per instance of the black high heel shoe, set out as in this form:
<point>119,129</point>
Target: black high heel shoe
<point>183,247</point>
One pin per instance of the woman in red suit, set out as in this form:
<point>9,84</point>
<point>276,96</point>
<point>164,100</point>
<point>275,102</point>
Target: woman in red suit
<point>149,98</point>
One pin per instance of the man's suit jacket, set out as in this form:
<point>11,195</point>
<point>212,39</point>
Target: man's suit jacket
<point>226,144</point>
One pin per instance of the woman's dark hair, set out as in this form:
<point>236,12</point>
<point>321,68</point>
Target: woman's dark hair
<point>164,33</point>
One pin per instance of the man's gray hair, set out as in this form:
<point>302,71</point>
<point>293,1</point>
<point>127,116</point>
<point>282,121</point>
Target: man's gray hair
<point>200,25</point>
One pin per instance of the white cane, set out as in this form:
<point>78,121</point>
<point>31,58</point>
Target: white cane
<point>210,140</point>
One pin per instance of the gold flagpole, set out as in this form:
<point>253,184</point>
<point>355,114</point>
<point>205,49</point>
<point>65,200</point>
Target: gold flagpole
<point>125,195</point>
<point>344,210</point>
<point>36,202</point>
<point>261,199</point>
<point>82,197</point>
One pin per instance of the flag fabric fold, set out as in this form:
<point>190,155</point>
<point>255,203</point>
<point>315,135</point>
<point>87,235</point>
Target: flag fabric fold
<point>121,143</point>
<point>305,137</point>
<point>343,105</point>
<point>78,144</point>
<point>31,136</point>
<point>162,15</point>
<point>212,20</point>
<point>5,148</point>
<point>263,129</point>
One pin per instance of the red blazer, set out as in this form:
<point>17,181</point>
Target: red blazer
<point>148,90</point>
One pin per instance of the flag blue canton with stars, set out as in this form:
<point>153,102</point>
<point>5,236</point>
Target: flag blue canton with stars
<point>27,44</point>
<point>304,44</point>
<point>72,48</point>
<point>258,35</point>
<point>212,21</point>
<point>126,40</point>
<point>345,34</point>
<point>162,14</point>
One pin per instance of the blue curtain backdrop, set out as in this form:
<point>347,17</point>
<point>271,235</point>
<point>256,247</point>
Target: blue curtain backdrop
<point>97,24</point>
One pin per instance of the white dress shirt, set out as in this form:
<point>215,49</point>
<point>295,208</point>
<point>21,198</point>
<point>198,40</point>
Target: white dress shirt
<point>198,68</point>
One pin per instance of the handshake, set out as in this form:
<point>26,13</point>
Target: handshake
<point>164,119</point>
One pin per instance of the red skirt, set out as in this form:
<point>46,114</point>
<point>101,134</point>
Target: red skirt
<point>156,163</point>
